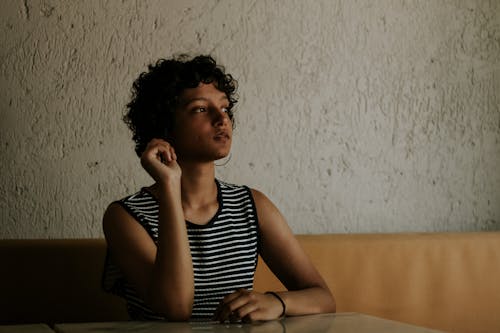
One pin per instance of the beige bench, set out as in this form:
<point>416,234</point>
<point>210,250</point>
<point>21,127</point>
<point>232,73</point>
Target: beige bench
<point>447,281</point>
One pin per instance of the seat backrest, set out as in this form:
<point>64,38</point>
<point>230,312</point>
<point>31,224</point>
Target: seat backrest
<point>446,281</point>
<point>55,281</point>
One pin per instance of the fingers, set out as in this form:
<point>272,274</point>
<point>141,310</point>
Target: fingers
<point>249,312</point>
<point>160,150</point>
<point>160,161</point>
<point>247,306</point>
<point>227,310</point>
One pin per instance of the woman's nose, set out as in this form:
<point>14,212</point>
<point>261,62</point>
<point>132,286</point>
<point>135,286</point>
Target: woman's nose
<point>220,116</point>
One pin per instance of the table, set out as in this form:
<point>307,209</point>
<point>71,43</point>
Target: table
<point>323,323</point>
<point>30,328</point>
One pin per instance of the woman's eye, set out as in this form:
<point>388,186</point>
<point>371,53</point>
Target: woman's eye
<point>225,110</point>
<point>201,109</point>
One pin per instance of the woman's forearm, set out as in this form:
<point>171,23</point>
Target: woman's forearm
<point>172,285</point>
<point>308,301</point>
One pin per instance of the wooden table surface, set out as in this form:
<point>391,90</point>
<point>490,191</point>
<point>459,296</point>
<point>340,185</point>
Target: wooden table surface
<point>324,323</point>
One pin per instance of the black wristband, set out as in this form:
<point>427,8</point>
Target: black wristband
<point>281,301</point>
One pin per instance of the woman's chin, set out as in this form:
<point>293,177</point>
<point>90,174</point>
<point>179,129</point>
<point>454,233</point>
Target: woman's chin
<point>222,156</point>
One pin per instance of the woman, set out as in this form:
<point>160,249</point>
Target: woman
<point>187,246</point>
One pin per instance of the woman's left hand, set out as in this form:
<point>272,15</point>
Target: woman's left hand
<point>248,306</point>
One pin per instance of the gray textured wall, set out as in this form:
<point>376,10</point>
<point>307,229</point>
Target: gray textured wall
<point>354,116</point>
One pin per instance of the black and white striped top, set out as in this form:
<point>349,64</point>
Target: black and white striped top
<point>224,251</point>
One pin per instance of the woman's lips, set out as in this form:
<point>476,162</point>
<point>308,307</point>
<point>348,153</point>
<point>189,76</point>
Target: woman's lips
<point>222,136</point>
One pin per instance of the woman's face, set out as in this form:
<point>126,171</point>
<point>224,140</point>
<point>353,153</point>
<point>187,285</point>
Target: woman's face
<point>203,130</point>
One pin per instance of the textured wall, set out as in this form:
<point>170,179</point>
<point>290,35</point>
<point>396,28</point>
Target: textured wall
<point>354,116</point>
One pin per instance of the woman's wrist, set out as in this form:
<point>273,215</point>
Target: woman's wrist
<point>168,186</point>
<point>278,297</point>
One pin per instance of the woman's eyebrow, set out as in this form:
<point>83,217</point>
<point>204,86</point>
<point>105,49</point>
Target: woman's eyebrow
<point>203,99</point>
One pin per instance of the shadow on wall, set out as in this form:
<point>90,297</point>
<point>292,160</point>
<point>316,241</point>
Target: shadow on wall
<point>490,225</point>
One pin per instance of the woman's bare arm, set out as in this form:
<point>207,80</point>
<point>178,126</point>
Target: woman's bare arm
<point>161,273</point>
<point>307,292</point>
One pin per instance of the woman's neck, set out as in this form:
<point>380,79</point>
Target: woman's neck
<point>198,186</point>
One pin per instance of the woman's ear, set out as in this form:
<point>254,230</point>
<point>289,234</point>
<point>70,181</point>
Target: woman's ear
<point>168,133</point>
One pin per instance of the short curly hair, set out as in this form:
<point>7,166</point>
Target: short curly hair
<point>155,94</point>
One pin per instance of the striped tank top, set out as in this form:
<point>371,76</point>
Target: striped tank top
<point>224,251</point>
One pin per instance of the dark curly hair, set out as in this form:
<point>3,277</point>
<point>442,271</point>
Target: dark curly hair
<point>155,95</point>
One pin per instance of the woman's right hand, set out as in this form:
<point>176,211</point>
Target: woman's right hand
<point>160,161</point>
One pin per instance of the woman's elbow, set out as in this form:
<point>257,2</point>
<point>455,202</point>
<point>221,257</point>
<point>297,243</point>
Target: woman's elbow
<point>330,306</point>
<point>173,310</point>
<point>179,314</point>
